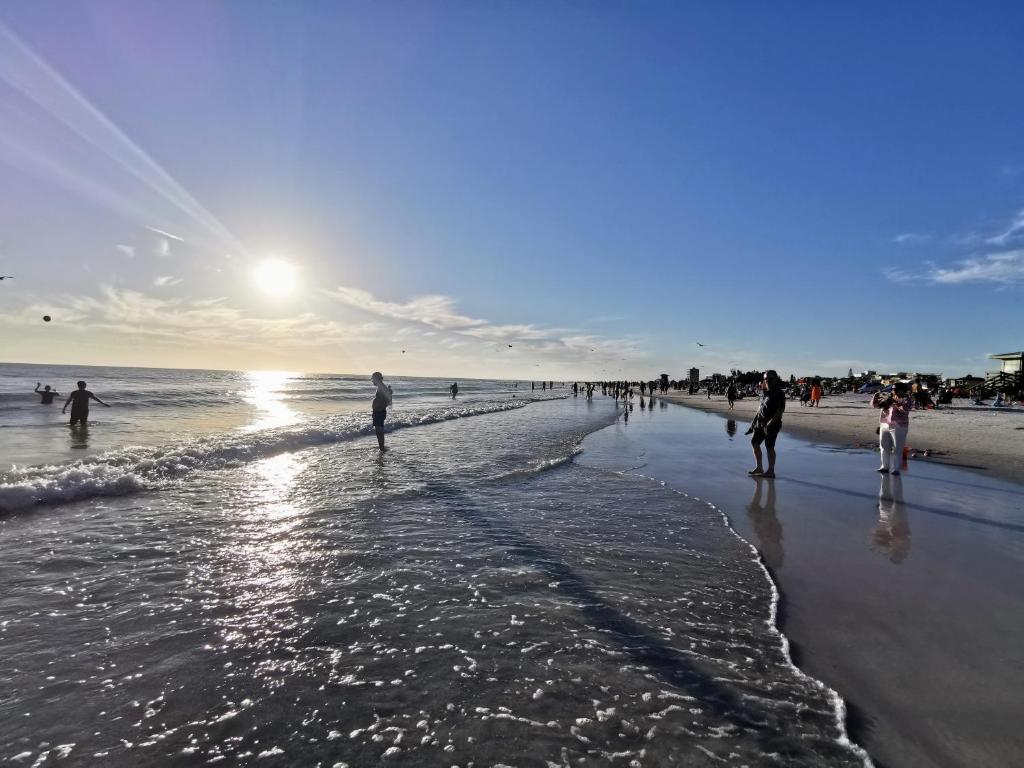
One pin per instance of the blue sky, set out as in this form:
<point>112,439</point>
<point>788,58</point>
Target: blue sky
<point>796,185</point>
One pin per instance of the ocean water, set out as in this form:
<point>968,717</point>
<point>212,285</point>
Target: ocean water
<point>225,569</point>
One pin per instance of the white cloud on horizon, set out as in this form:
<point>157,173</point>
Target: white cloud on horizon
<point>440,314</point>
<point>163,281</point>
<point>179,321</point>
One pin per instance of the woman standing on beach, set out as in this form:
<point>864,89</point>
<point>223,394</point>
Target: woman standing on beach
<point>767,423</point>
<point>893,425</point>
<point>381,401</point>
<point>816,394</point>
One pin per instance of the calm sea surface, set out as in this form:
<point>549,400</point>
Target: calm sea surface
<point>224,568</point>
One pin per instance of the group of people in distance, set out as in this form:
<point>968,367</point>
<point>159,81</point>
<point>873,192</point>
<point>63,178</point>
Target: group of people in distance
<point>78,400</point>
<point>894,416</point>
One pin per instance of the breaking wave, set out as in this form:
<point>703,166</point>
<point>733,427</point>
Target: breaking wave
<point>134,469</point>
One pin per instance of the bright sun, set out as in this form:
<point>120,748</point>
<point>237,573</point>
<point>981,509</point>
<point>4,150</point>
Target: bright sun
<point>275,277</point>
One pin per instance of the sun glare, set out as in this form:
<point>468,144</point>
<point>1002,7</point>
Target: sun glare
<point>276,277</point>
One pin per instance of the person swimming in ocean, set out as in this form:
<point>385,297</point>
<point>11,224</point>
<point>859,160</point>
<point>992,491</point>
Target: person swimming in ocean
<point>46,394</point>
<point>381,400</point>
<point>79,402</point>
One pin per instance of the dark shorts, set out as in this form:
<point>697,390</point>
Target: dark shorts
<point>766,436</point>
<point>378,418</point>
<point>79,418</point>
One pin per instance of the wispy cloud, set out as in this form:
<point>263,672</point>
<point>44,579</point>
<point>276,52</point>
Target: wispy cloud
<point>1012,232</point>
<point>127,250</point>
<point>175,321</point>
<point>907,238</point>
<point>1002,268</point>
<point>435,311</point>
<point>164,281</point>
<point>440,313</point>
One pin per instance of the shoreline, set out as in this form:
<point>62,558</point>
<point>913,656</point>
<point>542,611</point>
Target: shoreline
<point>895,592</point>
<point>987,441</point>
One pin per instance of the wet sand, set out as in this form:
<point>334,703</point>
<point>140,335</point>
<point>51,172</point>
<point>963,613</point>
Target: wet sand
<point>985,440</point>
<point>901,593</point>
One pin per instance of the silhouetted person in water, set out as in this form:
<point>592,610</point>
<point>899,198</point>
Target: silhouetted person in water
<point>381,401</point>
<point>79,402</point>
<point>46,394</point>
<point>454,389</point>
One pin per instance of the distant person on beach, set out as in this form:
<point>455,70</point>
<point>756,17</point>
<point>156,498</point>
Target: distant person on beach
<point>767,423</point>
<point>79,402</point>
<point>46,394</point>
<point>454,389</point>
<point>805,394</point>
<point>381,400</point>
<point>816,393</point>
<point>730,393</point>
<point>893,425</point>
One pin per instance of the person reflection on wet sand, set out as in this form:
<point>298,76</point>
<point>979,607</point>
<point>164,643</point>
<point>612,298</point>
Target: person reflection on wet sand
<point>730,428</point>
<point>767,527</point>
<point>892,532</point>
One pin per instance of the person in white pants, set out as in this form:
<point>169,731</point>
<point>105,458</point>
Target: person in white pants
<point>893,425</point>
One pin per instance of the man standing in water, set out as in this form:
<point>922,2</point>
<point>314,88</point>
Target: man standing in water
<point>79,402</point>
<point>46,394</point>
<point>381,401</point>
<point>454,389</point>
<point>767,423</point>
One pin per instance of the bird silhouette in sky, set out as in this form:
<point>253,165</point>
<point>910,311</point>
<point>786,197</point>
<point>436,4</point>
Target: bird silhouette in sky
<point>510,346</point>
<point>699,344</point>
<point>403,351</point>
<point>6,277</point>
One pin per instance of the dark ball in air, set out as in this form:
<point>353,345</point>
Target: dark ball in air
<point>46,318</point>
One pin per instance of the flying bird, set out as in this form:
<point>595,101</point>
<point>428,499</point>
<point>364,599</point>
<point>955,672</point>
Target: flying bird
<point>699,344</point>
<point>510,346</point>
<point>6,277</point>
<point>403,351</point>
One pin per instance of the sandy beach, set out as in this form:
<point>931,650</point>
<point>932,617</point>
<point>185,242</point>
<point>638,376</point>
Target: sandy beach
<point>980,439</point>
<point>899,592</point>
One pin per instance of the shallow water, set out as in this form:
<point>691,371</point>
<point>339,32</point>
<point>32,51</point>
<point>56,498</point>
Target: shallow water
<point>900,592</point>
<point>473,596</point>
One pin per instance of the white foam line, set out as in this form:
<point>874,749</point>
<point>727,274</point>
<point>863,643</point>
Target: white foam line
<point>838,703</point>
<point>772,622</point>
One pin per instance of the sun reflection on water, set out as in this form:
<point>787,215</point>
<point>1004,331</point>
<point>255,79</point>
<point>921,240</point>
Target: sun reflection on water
<point>271,553</point>
<point>265,394</point>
